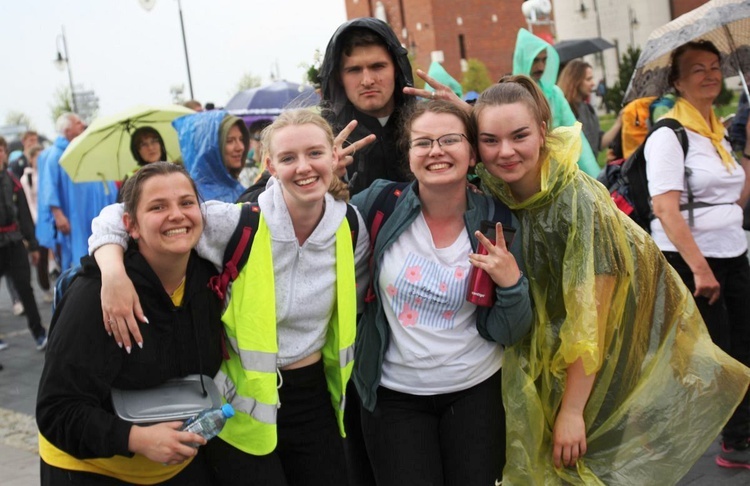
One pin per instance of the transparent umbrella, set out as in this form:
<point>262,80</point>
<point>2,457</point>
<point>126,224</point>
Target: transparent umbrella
<point>726,23</point>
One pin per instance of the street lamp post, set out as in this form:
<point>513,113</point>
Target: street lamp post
<point>184,44</point>
<point>148,5</point>
<point>64,61</point>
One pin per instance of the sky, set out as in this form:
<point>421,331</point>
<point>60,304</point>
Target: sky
<point>131,56</point>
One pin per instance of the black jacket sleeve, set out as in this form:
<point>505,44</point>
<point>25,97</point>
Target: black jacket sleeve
<point>25,221</point>
<point>74,409</point>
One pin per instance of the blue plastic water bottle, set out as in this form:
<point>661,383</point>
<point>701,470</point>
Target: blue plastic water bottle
<point>209,422</point>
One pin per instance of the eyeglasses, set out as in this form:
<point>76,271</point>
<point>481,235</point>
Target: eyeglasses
<point>422,146</point>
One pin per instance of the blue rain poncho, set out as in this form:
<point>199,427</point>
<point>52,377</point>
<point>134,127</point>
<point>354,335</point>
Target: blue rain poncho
<point>604,293</point>
<point>201,147</point>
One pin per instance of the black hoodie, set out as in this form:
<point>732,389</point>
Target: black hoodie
<point>383,159</point>
<point>82,364</point>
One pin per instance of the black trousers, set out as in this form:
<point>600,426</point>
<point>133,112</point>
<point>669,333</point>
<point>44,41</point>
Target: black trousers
<point>14,262</point>
<point>310,449</point>
<point>728,323</point>
<point>197,473</point>
<point>453,439</point>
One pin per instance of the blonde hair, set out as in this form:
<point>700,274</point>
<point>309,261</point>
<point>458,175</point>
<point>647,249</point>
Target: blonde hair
<point>297,117</point>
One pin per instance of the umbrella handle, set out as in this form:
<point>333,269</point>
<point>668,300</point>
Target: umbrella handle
<point>744,83</point>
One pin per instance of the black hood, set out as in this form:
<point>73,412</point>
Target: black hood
<point>333,95</point>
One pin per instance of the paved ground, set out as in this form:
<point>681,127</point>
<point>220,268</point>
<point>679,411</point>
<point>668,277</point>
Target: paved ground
<point>19,462</point>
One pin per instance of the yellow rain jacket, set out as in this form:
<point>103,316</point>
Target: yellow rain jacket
<point>604,293</point>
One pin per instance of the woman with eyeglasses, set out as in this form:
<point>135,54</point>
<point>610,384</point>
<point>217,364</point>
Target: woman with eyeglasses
<point>147,146</point>
<point>427,361</point>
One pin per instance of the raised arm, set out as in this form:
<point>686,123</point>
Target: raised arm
<point>121,309</point>
<point>510,318</point>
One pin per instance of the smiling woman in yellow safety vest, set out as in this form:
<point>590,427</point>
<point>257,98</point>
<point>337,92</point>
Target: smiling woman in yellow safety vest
<point>290,314</point>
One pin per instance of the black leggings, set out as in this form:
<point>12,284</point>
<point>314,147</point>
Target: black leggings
<point>453,439</point>
<point>309,450</point>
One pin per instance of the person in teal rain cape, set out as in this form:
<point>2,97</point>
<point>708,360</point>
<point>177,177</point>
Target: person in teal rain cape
<point>537,59</point>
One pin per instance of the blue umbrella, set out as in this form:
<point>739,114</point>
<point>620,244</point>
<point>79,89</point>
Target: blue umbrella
<point>269,101</point>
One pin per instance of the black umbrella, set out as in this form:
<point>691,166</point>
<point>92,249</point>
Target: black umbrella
<point>575,48</point>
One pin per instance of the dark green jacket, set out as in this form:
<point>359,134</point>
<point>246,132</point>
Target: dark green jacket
<point>505,323</point>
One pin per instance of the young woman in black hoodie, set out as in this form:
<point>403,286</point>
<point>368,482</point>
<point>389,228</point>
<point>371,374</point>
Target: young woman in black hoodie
<point>82,441</point>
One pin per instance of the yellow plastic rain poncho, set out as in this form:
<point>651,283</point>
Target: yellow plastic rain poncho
<point>603,292</point>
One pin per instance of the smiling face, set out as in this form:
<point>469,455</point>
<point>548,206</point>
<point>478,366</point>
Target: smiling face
<point>699,79</point>
<point>301,158</point>
<point>510,140</point>
<point>440,166</point>
<point>168,221</point>
<point>234,147</point>
<point>369,80</point>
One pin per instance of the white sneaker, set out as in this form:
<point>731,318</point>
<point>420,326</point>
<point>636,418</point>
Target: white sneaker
<point>18,308</point>
<point>48,296</point>
<point>3,345</point>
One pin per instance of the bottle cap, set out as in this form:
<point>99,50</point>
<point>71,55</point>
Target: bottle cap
<point>227,410</point>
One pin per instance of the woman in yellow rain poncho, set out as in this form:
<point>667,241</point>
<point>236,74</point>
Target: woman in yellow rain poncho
<point>618,382</point>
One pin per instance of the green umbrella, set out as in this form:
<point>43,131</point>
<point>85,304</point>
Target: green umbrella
<point>102,151</point>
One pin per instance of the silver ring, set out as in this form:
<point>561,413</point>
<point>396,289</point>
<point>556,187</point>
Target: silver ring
<point>110,321</point>
<point>434,94</point>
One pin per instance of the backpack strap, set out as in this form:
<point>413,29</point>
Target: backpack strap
<point>353,220</point>
<point>238,249</point>
<point>501,213</point>
<point>692,204</point>
<point>384,205</point>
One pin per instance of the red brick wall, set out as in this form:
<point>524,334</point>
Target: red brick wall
<point>680,7</point>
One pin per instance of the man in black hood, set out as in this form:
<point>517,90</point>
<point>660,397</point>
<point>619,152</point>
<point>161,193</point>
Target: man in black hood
<point>363,74</point>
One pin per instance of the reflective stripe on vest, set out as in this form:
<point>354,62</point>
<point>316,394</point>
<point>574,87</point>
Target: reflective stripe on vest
<point>248,379</point>
<point>261,412</point>
<point>254,360</point>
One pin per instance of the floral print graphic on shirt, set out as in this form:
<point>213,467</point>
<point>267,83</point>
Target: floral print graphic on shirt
<point>426,293</point>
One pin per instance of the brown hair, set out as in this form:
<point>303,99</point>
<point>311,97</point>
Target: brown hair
<point>674,60</point>
<point>27,134</point>
<point>131,191</point>
<point>438,107</point>
<point>360,37</point>
<point>3,143</point>
<point>517,89</point>
<point>571,78</point>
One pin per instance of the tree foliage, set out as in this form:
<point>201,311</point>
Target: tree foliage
<point>60,102</point>
<point>418,82</point>
<point>312,71</point>
<point>614,96</point>
<point>248,81</point>
<point>17,118</point>
<point>477,77</point>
